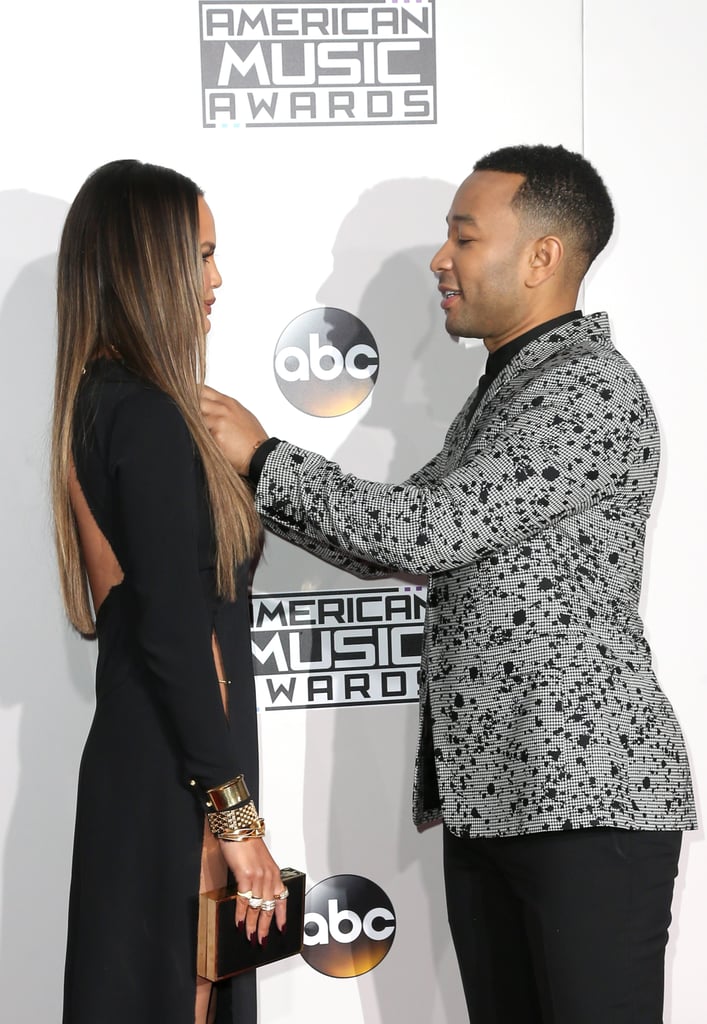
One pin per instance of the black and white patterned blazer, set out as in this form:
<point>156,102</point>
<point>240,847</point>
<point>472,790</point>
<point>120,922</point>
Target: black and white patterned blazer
<point>545,713</point>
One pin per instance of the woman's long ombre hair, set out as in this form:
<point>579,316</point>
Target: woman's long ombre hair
<point>130,285</point>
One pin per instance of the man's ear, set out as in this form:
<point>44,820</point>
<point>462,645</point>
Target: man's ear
<point>545,257</point>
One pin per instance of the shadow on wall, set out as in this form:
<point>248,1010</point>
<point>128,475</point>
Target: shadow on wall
<point>381,273</point>
<point>358,818</point>
<point>46,674</point>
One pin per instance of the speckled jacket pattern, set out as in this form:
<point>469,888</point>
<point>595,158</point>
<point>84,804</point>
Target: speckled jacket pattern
<point>530,523</point>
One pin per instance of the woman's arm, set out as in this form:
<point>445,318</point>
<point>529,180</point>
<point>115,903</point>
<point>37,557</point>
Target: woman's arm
<point>158,482</point>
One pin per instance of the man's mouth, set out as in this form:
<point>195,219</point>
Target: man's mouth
<point>448,297</point>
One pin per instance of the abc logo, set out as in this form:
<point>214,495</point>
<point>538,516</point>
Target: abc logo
<point>349,926</point>
<point>326,362</point>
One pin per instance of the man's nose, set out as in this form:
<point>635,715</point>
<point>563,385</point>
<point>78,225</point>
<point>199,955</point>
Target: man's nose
<point>441,259</point>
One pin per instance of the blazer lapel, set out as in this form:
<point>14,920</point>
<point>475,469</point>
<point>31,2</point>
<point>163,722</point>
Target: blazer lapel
<point>593,329</point>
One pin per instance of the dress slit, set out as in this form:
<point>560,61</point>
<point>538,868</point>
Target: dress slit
<point>214,873</point>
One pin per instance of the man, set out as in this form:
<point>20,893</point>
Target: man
<point>545,744</point>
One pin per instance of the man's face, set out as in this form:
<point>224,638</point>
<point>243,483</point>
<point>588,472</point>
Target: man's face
<point>481,267</point>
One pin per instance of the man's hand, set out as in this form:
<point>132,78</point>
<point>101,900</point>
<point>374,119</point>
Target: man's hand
<point>234,429</point>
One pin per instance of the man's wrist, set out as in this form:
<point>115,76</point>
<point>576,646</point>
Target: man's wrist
<point>257,461</point>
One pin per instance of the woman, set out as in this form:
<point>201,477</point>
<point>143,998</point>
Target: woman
<point>155,533</point>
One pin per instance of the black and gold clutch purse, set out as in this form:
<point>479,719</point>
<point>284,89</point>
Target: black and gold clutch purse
<point>223,951</point>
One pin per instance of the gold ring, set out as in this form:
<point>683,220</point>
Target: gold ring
<point>283,895</point>
<point>267,906</point>
<point>255,902</point>
<point>244,895</point>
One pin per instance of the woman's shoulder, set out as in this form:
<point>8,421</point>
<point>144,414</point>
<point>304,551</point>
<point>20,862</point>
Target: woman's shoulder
<point>111,383</point>
<point>111,378</point>
<point>125,406</point>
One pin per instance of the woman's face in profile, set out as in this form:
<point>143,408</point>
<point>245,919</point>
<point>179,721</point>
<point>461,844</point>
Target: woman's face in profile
<point>207,244</point>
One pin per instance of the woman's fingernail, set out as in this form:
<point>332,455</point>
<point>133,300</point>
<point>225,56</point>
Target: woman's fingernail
<point>240,925</point>
<point>264,941</point>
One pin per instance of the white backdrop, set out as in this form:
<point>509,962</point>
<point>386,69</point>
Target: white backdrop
<point>346,217</point>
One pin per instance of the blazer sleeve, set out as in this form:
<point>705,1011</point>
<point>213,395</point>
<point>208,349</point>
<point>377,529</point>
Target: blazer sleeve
<point>312,541</point>
<point>308,536</point>
<point>158,484</point>
<point>550,454</point>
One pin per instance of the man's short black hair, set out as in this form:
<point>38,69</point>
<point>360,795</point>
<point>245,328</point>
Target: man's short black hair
<point>562,192</point>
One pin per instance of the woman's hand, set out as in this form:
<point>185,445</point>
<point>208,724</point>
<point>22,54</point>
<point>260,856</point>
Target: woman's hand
<point>234,429</point>
<point>256,872</point>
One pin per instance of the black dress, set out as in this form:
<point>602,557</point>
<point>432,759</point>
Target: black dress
<point>159,737</point>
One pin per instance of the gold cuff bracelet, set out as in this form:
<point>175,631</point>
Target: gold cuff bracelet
<point>230,794</point>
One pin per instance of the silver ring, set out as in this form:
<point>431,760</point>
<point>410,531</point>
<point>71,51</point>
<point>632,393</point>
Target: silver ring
<point>283,895</point>
<point>244,895</point>
<point>255,902</point>
<point>268,906</point>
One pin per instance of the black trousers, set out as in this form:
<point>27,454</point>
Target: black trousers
<point>562,927</point>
